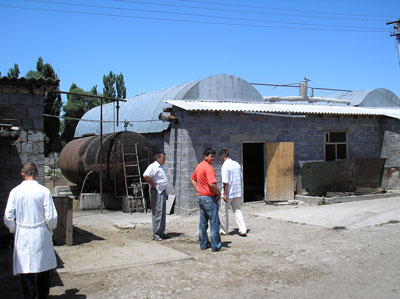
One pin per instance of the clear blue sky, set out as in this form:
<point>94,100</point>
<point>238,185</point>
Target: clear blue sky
<point>155,53</point>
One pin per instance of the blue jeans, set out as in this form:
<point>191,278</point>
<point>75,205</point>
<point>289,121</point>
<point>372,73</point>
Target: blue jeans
<point>209,212</point>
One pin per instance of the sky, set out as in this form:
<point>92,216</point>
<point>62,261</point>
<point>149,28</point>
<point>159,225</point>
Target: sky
<point>155,44</point>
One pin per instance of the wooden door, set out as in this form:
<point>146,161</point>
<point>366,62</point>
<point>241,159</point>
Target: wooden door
<point>279,167</point>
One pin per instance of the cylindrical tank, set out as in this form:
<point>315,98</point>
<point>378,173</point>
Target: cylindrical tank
<point>82,155</point>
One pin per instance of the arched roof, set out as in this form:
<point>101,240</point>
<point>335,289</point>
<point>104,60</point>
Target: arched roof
<point>143,109</point>
<point>379,97</point>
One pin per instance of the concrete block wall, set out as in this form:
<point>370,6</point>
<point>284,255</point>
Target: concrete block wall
<point>185,142</point>
<point>391,151</point>
<point>391,143</point>
<point>22,105</point>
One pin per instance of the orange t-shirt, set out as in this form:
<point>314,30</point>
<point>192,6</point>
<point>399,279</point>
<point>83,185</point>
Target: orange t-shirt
<point>204,175</point>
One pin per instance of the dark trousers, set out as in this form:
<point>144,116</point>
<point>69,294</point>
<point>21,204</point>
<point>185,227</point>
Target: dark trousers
<point>36,285</point>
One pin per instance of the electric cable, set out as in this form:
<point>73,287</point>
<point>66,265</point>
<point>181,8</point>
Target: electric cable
<point>242,11</point>
<point>188,21</point>
<point>199,15</point>
<point>284,9</point>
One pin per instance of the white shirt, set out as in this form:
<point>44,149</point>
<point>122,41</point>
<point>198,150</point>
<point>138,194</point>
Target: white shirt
<point>156,172</point>
<point>31,215</point>
<point>232,175</point>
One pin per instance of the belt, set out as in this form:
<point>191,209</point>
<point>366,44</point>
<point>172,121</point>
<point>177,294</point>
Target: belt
<point>31,226</point>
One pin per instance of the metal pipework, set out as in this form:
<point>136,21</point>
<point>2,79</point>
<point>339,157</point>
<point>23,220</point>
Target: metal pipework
<point>305,99</point>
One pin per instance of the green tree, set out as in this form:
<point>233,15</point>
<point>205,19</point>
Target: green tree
<point>13,72</point>
<point>75,107</point>
<point>120,86</point>
<point>114,86</point>
<point>109,85</point>
<point>52,106</point>
<point>94,90</point>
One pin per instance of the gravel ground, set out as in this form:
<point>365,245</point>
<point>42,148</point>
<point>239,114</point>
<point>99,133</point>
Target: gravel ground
<point>277,259</point>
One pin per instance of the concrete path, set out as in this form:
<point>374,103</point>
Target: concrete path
<point>111,257</point>
<point>128,253</point>
<point>350,215</point>
<point>113,218</point>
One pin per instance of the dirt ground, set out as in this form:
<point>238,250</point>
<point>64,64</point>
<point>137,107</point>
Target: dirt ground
<point>277,259</point>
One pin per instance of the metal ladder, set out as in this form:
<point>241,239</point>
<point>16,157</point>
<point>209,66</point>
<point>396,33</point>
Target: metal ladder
<point>133,182</point>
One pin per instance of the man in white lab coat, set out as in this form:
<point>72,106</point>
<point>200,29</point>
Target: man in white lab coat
<point>31,215</point>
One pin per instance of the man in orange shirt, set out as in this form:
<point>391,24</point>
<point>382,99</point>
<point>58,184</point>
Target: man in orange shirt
<point>204,182</point>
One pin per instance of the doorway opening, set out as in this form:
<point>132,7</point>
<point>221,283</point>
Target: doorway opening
<point>253,171</point>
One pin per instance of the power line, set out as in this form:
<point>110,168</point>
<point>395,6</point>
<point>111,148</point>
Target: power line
<point>201,15</point>
<point>186,21</point>
<point>285,9</point>
<point>97,121</point>
<point>243,11</point>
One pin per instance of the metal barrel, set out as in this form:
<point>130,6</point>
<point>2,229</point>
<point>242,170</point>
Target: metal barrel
<point>82,155</point>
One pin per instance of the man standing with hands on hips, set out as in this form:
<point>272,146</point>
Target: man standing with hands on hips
<point>157,179</point>
<point>205,183</point>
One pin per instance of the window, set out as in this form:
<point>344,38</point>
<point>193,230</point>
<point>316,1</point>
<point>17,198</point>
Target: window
<point>335,146</point>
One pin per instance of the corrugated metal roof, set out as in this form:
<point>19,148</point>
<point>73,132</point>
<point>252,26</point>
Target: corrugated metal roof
<point>283,108</point>
<point>379,97</point>
<point>143,110</point>
<point>28,80</point>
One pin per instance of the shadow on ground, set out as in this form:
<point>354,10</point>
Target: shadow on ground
<point>172,235</point>
<point>69,294</point>
<point>82,236</point>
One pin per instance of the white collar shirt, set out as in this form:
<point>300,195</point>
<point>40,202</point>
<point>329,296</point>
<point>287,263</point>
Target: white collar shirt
<point>231,173</point>
<point>157,173</point>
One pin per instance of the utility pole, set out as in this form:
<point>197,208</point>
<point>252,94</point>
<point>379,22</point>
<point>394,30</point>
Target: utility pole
<point>396,27</point>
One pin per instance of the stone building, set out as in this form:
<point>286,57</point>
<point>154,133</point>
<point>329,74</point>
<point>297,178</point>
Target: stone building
<point>224,111</point>
<point>21,130</point>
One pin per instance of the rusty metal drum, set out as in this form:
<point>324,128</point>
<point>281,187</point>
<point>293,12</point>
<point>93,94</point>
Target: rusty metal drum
<point>82,155</point>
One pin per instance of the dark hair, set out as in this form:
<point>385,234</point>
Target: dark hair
<point>29,169</point>
<point>158,155</point>
<point>209,151</point>
<point>224,152</point>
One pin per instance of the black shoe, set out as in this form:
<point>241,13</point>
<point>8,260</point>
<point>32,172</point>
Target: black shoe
<point>208,246</point>
<point>217,250</point>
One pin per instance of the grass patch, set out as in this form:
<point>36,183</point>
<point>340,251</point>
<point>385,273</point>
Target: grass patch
<point>323,202</point>
<point>390,222</point>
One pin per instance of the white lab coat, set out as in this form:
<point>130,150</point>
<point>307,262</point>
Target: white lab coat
<point>31,215</point>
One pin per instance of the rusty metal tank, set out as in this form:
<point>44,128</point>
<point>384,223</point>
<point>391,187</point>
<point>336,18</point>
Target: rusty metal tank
<point>80,156</point>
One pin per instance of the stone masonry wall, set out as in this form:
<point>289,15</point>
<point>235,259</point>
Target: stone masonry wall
<point>22,107</point>
<point>185,142</point>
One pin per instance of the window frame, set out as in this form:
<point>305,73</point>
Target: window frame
<point>328,132</point>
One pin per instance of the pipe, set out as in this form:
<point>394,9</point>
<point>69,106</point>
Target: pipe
<point>83,186</point>
<point>305,99</point>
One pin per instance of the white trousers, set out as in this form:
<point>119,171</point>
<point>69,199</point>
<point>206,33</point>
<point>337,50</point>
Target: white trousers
<point>224,217</point>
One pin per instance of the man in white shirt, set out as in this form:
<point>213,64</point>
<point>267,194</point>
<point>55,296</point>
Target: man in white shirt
<point>157,179</point>
<point>31,215</point>
<point>231,193</point>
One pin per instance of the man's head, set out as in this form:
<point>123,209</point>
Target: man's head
<point>29,170</point>
<point>223,154</point>
<point>209,155</point>
<point>160,157</point>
